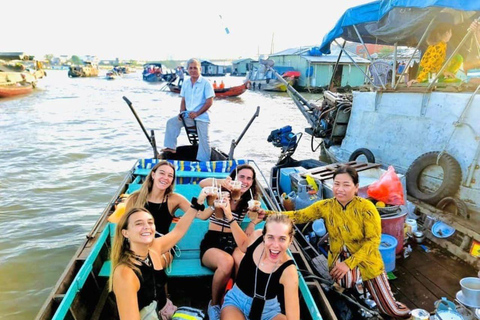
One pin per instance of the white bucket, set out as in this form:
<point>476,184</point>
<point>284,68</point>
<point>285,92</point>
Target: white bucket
<point>411,226</point>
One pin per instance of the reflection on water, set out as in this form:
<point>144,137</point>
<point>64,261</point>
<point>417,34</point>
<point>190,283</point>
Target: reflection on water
<point>66,148</point>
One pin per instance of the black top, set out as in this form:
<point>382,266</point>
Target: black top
<point>162,216</point>
<point>246,275</point>
<point>152,286</point>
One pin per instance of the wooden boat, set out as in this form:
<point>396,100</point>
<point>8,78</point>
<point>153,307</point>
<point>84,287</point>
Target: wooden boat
<point>219,93</point>
<point>82,290</point>
<point>88,69</point>
<point>15,89</point>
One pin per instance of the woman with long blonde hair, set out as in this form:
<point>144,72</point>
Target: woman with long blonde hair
<point>138,275</point>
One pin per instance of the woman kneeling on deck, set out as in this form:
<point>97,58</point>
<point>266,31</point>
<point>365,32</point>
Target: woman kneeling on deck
<point>266,271</point>
<point>138,273</point>
<point>218,245</point>
<point>354,228</point>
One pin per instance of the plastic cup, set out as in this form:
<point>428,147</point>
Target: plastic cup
<point>220,204</point>
<point>213,194</point>
<point>254,205</point>
<point>236,189</point>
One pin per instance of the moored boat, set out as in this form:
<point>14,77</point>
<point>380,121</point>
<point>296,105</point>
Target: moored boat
<point>15,89</point>
<point>234,91</point>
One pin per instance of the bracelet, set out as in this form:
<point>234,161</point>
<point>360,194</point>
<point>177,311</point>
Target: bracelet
<point>195,205</point>
<point>212,207</point>
<point>231,221</point>
<point>251,221</point>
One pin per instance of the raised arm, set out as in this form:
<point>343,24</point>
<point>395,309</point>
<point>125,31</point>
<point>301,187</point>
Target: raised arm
<point>240,237</point>
<point>125,287</point>
<point>165,243</point>
<point>310,213</point>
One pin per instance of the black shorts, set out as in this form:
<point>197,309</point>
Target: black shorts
<point>217,239</point>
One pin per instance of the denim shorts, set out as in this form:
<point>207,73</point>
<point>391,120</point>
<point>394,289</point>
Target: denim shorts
<point>236,298</point>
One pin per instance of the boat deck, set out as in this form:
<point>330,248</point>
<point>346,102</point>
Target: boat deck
<point>425,277</point>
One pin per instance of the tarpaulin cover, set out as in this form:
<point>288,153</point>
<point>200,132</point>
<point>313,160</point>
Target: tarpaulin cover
<point>398,21</point>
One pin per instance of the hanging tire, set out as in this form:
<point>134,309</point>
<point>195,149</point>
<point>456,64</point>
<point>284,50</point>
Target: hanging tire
<point>459,206</point>
<point>452,176</point>
<point>362,152</point>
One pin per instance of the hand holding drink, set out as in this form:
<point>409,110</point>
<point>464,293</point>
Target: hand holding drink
<point>236,189</point>
<point>221,204</point>
<point>211,193</point>
<point>253,207</point>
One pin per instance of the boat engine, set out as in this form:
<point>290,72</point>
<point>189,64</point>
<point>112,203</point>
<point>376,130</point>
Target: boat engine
<point>331,118</point>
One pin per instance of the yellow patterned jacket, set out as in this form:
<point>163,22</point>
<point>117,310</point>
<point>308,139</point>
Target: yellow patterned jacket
<point>432,60</point>
<point>357,226</point>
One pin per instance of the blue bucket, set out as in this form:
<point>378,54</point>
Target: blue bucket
<point>388,244</point>
<point>318,227</point>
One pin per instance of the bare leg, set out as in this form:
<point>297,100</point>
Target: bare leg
<point>233,313</point>
<point>222,263</point>
<point>237,257</point>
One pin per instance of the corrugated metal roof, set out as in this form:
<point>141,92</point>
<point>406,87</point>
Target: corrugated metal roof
<point>292,51</point>
<point>240,60</point>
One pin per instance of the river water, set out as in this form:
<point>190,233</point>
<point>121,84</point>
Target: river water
<point>65,148</point>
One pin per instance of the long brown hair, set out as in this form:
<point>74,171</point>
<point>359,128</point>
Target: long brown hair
<point>121,252</point>
<point>139,198</point>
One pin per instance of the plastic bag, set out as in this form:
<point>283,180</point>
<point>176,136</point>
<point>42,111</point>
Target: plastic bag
<point>387,189</point>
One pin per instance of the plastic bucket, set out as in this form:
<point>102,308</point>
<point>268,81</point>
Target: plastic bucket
<point>387,247</point>
<point>318,227</point>
<point>394,226</point>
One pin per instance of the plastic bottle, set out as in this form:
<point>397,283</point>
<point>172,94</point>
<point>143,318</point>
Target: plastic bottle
<point>287,202</point>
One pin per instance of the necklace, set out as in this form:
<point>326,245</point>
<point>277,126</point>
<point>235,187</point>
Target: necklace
<point>255,294</point>
<point>145,260</point>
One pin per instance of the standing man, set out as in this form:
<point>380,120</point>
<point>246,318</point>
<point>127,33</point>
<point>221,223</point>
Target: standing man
<point>181,76</point>
<point>197,97</point>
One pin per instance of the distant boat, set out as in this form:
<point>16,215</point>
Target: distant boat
<point>15,89</point>
<point>263,79</point>
<point>112,75</point>
<point>219,93</point>
<point>88,69</point>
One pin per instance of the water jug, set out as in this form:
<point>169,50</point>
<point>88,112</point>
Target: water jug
<point>305,196</point>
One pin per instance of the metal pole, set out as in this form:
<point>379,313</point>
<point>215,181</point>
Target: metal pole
<point>356,65</point>
<point>394,69</point>
<point>416,49</point>
<point>368,54</point>
<point>465,38</point>
<point>336,64</point>
<point>235,143</point>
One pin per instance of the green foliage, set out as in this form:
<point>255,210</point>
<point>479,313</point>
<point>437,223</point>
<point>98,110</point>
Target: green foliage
<point>385,52</point>
<point>76,60</point>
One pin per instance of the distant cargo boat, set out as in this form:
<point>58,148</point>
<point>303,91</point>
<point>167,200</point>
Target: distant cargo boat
<point>87,70</point>
<point>154,72</point>
<point>263,79</point>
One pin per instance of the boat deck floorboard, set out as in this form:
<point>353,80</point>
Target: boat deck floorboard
<point>425,277</point>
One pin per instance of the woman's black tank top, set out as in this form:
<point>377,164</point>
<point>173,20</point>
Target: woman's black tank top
<point>161,214</point>
<point>152,286</point>
<point>246,275</point>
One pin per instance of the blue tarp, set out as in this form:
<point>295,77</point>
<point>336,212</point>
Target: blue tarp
<point>374,11</point>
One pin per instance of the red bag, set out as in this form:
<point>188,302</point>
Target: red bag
<point>387,189</point>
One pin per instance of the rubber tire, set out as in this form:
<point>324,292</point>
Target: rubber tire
<point>460,206</point>
<point>362,151</point>
<point>452,176</point>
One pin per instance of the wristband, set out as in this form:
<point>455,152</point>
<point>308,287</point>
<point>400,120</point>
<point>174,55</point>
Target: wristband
<point>212,207</point>
<point>231,221</point>
<point>195,205</point>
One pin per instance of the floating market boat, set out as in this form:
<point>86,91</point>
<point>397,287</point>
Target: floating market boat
<point>88,69</point>
<point>219,93</point>
<point>82,290</point>
<point>262,78</point>
<point>429,132</point>
<point>155,72</point>
<point>15,89</point>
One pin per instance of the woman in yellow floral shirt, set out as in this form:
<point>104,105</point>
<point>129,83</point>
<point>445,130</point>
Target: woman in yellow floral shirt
<point>435,56</point>
<point>354,228</point>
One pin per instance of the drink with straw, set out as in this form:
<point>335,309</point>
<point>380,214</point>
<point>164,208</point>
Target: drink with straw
<point>212,194</point>
<point>253,207</point>
<point>220,204</point>
<point>236,188</point>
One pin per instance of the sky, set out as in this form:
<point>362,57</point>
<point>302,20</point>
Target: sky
<point>162,30</point>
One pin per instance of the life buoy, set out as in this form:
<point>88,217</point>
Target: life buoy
<point>452,176</point>
<point>362,151</point>
<point>459,206</point>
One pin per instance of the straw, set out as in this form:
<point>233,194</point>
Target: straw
<point>251,194</point>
